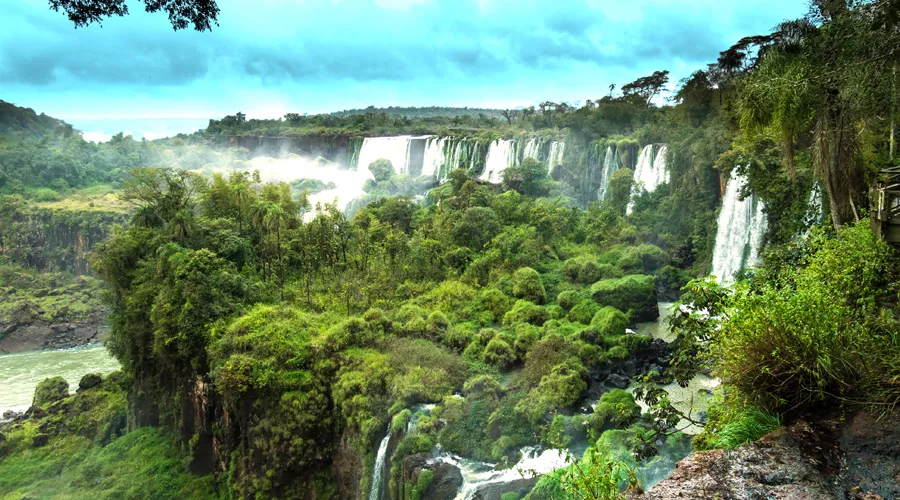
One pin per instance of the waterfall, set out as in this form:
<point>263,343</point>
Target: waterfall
<point>435,156</point>
<point>610,165</point>
<point>649,173</point>
<point>740,229</point>
<point>395,149</point>
<point>476,475</point>
<point>557,149</point>
<point>532,149</point>
<point>501,154</point>
<point>378,470</point>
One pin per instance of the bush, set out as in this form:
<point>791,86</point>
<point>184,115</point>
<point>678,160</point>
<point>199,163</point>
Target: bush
<point>558,389</point>
<point>635,293</point>
<point>50,390</point>
<point>499,354</point>
<point>822,332</point>
<point>526,312</point>
<point>616,409</point>
<point>583,312</point>
<point>527,285</point>
<point>642,258</point>
<point>568,299</point>
<point>609,322</point>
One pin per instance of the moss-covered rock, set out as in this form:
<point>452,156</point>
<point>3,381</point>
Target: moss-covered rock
<point>609,321</point>
<point>635,293</point>
<point>527,285</point>
<point>616,409</point>
<point>50,390</point>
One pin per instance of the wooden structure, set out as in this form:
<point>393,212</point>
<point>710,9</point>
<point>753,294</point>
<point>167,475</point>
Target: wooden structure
<point>885,213</point>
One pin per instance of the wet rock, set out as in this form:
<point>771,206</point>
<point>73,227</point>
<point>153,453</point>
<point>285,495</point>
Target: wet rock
<point>40,440</point>
<point>618,381</point>
<point>871,446</point>
<point>12,415</point>
<point>35,412</point>
<point>445,482</point>
<point>89,380</point>
<point>801,461</point>
<point>495,491</point>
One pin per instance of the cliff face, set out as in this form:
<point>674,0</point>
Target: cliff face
<point>823,460</point>
<point>49,239</point>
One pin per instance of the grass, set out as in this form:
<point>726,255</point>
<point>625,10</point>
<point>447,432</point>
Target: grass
<point>97,198</point>
<point>142,464</point>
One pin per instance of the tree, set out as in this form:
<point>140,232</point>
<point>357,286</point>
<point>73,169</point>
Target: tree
<point>647,86</point>
<point>817,87</point>
<point>509,114</point>
<point>202,14</point>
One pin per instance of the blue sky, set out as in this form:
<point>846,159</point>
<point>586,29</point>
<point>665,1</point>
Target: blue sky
<point>269,57</point>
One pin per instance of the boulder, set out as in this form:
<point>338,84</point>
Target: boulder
<point>89,380</point>
<point>40,440</point>
<point>445,483</point>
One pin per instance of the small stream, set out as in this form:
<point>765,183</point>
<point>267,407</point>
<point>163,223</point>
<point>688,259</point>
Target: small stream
<point>21,372</point>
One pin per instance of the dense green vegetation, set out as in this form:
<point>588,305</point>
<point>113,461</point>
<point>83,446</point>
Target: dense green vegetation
<point>268,352</point>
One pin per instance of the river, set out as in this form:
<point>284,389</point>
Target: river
<point>21,372</point>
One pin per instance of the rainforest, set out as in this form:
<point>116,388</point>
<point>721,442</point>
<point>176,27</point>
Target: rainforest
<point>676,289</point>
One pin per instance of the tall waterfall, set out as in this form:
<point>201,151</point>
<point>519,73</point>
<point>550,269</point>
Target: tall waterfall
<point>557,149</point>
<point>532,149</point>
<point>501,154</point>
<point>650,172</point>
<point>395,149</point>
<point>741,227</point>
<point>610,165</point>
<point>378,470</point>
<point>435,156</point>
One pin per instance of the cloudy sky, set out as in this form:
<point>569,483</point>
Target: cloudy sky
<point>269,57</point>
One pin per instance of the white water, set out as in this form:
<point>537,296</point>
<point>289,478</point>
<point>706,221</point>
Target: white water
<point>610,165</point>
<point>292,167</point>
<point>502,154</point>
<point>21,372</point>
<point>395,149</point>
<point>533,149</point>
<point>740,229</point>
<point>649,173</point>
<point>815,209</point>
<point>557,149</point>
<point>477,475</point>
<point>378,470</point>
<point>434,156</point>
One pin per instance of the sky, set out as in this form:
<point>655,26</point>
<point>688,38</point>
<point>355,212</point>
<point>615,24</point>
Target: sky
<point>270,57</point>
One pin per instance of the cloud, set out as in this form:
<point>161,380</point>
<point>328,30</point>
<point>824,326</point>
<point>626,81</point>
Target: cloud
<point>401,47</point>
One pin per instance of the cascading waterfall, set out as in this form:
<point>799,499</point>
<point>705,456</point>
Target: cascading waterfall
<point>395,149</point>
<point>557,149</point>
<point>378,470</point>
<point>610,165</point>
<point>435,156</point>
<point>741,227</point>
<point>501,154</point>
<point>476,475</point>
<point>649,173</point>
<point>533,149</point>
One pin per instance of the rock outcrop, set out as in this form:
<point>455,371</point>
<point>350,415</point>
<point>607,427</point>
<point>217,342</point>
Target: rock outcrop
<point>825,460</point>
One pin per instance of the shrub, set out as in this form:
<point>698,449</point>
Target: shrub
<point>568,299</point>
<point>609,321</point>
<point>526,312</point>
<point>583,312</point>
<point>616,408</point>
<point>527,285</point>
<point>635,292</point>
<point>645,258</point>
<point>821,332</point>
<point>558,389</point>
<point>482,385</point>
<point>50,390</point>
<point>499,353</point>
<point>617,352</point>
